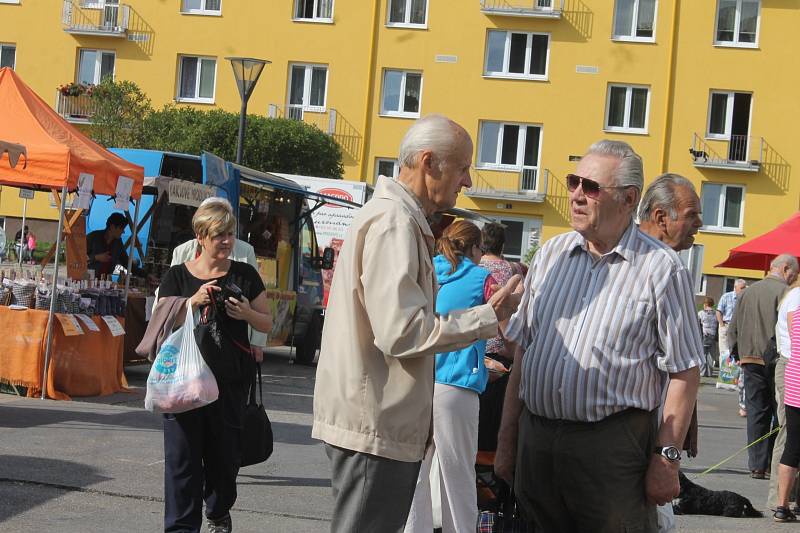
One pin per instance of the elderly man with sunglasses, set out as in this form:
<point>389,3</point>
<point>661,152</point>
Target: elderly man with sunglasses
<point>606,311</point>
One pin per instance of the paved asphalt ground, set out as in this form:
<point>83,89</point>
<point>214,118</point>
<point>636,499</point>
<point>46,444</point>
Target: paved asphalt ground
<point>96,464</point>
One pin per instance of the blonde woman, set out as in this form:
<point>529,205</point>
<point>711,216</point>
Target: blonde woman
<point>202,447</point>
<point>460,377</point>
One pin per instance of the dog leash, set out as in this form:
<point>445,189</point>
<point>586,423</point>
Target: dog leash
<point>712,468</point>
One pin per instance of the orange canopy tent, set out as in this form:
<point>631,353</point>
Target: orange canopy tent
<point>57,153</point>
<point>56,156</point>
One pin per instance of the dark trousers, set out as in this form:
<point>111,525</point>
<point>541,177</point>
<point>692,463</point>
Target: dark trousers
<point>759,399</point>
<point>370,493</point>
<point>791,451</point>
<point>202,454</point>
<point>586,476</point>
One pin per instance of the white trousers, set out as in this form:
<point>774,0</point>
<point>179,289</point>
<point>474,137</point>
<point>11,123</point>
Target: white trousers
<point>455,444</point>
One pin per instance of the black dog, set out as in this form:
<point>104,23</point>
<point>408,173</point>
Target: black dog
<point>695,499</point>
<point>697,154</point>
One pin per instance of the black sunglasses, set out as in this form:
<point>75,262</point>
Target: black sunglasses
<point>590,187</point>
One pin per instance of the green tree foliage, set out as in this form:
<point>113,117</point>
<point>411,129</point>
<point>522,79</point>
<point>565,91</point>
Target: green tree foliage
<point>271,144</point>
<point>119,108</point>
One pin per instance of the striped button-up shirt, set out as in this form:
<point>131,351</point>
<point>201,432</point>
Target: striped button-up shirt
<point>727,305</point>
<point>599,333</point>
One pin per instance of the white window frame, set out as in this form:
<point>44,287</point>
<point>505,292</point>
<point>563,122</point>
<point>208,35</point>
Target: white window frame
<point>632,36</point>
<point>737,27</point>
<point>692,259</point>
<point>628,101</point>
<point>401,112</point>
<point>14,46</point>
<point>726,135</point>
<point>315,18</point>
<point>717,228</point>
<point>98,62</point>
<point>196,99</point>
<point>395,166</point>
<point>521,138</point>
<point>390,24</point>
<point>16,2</point>
<point>703,285</point>
<point>201,11</point>
<point>507,56</point>
<point>307,86</point>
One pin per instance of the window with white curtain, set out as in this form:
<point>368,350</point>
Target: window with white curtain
<point>8,55</point>
<point>627,108</point>
<point>313,10</point>
<point>197,79</point>
<point>413,13</point>
<point>635,20</point>
<point>308,86</point>
<point>402,93</point>
<point>202,7</point>
<point>516,54</point>
<point>95,65</point>
<point>737,23</point>
<point>723,207</point>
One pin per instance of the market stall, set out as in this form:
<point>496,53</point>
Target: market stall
<point>61,336</point>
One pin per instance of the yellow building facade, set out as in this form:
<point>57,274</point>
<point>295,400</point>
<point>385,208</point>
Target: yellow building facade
<point>697,88</point>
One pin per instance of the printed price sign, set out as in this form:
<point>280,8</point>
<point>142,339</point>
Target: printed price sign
<point>88,322</point>
<point>113,325</point>
<point>69,324</point>
<point>123,194</point>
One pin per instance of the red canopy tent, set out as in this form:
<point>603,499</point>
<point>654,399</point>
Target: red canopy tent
<point>758,253</point>
<point>57,154</point>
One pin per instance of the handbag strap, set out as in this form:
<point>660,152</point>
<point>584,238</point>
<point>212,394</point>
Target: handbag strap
<point>260,390</point>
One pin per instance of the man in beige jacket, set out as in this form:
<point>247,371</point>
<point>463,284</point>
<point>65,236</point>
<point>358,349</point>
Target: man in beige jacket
<point>374,389</point>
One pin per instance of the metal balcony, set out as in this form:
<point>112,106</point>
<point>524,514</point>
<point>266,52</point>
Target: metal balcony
<point>547,9</point>
<point>80,17</point>
<point>529,184</point>
<point>324,120</point>
<point>738,152</point>
<point>75,109</point>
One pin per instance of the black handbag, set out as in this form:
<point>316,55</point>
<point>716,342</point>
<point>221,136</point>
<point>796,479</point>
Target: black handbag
<point>256,427</point>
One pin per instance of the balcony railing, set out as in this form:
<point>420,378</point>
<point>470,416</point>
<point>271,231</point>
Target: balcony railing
<point>76,109</point>
<point>524,8</point>
<point>324,120</point>
<point>86,18</point>
<point>738,152</point>
<point>529,184</point>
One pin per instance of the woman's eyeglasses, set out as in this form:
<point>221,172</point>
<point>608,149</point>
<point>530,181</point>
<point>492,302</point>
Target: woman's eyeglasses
<point>590,187</point>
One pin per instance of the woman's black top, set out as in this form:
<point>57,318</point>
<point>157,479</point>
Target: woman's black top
<point>224,340</point>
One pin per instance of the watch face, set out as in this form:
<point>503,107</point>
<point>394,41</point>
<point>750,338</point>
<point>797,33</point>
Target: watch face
<point>672,453</point>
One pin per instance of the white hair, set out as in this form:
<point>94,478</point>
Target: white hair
<point>785,259</point>
<point>661,194</point>
<point>433,132</point>
<point>629,173</point>
<point>217,200</point>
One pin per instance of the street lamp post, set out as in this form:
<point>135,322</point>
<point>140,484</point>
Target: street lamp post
<point>246,70</point>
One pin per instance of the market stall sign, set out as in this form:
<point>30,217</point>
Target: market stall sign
<point>188,193</point>
<point>26,193</point>
<point>69,324</point>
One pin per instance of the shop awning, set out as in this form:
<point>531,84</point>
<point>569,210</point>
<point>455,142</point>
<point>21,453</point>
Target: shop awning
<point>271,181</point>
<point>57,153</point>
<point>758,253</point>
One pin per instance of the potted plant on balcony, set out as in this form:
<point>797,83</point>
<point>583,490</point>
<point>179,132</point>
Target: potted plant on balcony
<point>74,89</point>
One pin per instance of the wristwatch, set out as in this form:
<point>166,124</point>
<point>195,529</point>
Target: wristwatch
<point>671,453</point>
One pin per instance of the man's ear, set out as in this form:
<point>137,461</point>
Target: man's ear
<point>660,217</point>
<point>426,161</point>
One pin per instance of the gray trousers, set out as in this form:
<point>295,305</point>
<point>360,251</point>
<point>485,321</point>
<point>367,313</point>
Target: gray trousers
<point>370,493</point>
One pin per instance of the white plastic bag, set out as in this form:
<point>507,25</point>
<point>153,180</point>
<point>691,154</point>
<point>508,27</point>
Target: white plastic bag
<point>180,379</point>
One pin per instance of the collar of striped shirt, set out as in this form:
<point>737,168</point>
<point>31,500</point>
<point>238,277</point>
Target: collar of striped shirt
<point>600,333</point>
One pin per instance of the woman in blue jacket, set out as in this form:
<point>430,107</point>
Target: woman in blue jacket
<point>460,377</point>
